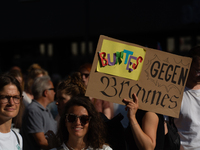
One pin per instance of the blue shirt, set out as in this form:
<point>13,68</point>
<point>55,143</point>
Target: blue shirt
<point>36,119</point>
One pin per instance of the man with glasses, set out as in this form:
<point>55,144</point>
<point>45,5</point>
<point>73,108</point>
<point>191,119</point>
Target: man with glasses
<point>38,119</point>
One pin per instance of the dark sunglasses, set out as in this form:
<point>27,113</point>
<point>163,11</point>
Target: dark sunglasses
<point>84,119</point>
<point>85,74</point>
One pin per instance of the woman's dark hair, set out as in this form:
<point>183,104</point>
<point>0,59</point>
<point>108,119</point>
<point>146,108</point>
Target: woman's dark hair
<point>6,79</point>
<point>72,85</point>
<point>96,131</point>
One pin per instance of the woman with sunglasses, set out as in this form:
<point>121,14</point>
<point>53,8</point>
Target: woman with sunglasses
<point>81,127</point>
<point>10,104</point>
<point>69,87</point>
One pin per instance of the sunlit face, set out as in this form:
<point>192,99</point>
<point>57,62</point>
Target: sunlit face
<point>85,76</point>
<point>51,93</point>
<point>76,129</point>
<point>62,99</point>
<point>10,109</point>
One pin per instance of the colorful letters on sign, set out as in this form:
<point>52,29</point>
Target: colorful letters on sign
<point>121,60</point>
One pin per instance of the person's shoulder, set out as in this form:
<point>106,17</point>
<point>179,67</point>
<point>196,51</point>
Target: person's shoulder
<point>62,147</point>
<point>33,110</point>
<point>106,147</point>
<point>18,136</point>
<point>33,106</point>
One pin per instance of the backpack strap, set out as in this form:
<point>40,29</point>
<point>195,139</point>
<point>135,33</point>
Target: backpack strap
<point>16,136</point>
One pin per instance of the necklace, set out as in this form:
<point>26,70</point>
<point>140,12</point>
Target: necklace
<point>71,148</point>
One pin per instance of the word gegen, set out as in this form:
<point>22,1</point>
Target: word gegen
<point>117,58</point>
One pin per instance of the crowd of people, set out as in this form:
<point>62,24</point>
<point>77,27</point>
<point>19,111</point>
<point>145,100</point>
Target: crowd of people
<point>28,123</point>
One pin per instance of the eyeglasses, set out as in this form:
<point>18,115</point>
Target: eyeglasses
<point>52,89</point>
<point>5,99</point>
<point>85,74</point>
<point>84,119</point>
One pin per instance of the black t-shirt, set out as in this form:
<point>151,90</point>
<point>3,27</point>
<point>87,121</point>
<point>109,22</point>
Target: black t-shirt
<point>160,132</point>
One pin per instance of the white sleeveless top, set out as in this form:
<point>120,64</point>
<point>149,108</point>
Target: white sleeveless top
<point>188,123</point>
<point>10,141</point>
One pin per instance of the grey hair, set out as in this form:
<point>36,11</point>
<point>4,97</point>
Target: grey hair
<point>40,84</point>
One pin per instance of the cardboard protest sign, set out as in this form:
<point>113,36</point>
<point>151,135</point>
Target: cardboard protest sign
<point>120,69</point>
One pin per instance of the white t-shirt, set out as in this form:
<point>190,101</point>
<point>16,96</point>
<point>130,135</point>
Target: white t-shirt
<point>188,123</point>
<point>105,147</point>
<point>8,141</point>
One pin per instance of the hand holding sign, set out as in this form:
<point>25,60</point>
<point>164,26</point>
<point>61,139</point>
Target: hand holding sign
<point>131,106</point>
